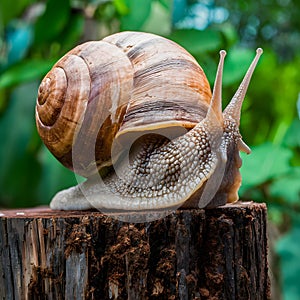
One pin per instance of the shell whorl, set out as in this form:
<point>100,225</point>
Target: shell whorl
<point>128,82</point>
<point>60,109</point>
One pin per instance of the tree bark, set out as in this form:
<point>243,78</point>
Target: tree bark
<point>218,253</point>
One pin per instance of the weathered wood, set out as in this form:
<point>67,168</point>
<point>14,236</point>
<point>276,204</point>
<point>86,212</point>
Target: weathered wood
<point>218,253</point>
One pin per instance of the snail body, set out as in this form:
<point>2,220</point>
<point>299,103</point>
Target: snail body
<point>142,104</point>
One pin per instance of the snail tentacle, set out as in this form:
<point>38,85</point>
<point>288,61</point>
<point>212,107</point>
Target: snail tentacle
<point>233,109</point>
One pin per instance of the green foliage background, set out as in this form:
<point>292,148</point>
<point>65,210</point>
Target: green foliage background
<point>35,34</point>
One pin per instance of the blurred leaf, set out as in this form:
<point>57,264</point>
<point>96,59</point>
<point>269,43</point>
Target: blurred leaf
<point>10,10</point>
<point>159,21</point>
<point>121,7</point>
<point>230,33</point>
<point>167,4</point>
<point>298,106</point>
<point>288,249</point>
<point>197,41</point>
<point>137,14</point>
<point>25,71</point>
<point>72,33</point>
<point>3,101</point>
<point>288,187</point>
<point>19,170</point>
<point>209,66</point>
<point>292,136</point>
<point>267,161</point>
<point>285,97</point>
<point>275,215</point>
<point>54,177</point>
<point>52,22</point>
<point>236,64</point>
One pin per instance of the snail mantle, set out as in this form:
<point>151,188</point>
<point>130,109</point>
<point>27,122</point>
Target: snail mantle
<point>218,253</point>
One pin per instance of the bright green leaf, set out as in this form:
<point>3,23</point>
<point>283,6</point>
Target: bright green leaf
<point>121,7</point>
<point>159,21</point>
<point>230,33</point>
<point>267,161</point>
<point>236,64</point>
<point>138,13</point>
<point>292,136</point>
<point>167,4</point>
<point>288,187</point>
<point>25,71</point>
<point>197,41</point>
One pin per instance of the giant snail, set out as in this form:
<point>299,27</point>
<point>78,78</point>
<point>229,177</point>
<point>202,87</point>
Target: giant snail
<point>137,109</point>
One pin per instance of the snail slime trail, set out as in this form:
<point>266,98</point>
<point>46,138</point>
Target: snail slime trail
<point>145,91</point>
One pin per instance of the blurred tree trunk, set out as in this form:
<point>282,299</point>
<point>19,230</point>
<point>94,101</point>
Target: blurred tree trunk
<point>218,253</point>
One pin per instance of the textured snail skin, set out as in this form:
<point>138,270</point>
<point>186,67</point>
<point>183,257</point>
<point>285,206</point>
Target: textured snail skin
<point>159,87</point>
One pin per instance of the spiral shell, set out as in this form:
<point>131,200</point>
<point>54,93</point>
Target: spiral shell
<point>127,83</point>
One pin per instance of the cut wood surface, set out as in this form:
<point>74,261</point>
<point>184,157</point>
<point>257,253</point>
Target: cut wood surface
<point>218,253</point>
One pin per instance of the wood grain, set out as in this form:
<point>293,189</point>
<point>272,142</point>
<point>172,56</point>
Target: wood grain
<point>218,253</point>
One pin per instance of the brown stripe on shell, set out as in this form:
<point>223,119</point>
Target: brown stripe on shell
<point>149,112</point>
<point>155,51</point>
<point>111,76</point>
<point>165,69</point>
<point>87,117</point>
<point>58,135</point>
<point>51,96</point>
<point>164,72</point>
<point>145,50</point>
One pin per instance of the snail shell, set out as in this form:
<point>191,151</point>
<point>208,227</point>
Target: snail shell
<point>144,93</point>
<point>136,82</point>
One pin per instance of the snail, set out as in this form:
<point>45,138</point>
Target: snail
<point>134,114</point>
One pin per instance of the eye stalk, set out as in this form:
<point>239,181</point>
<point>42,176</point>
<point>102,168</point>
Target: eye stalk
<point>216,100</point>
<point>233,109</point>
<point>232,112</point>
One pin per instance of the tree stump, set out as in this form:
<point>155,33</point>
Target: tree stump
<point>218,253</point>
